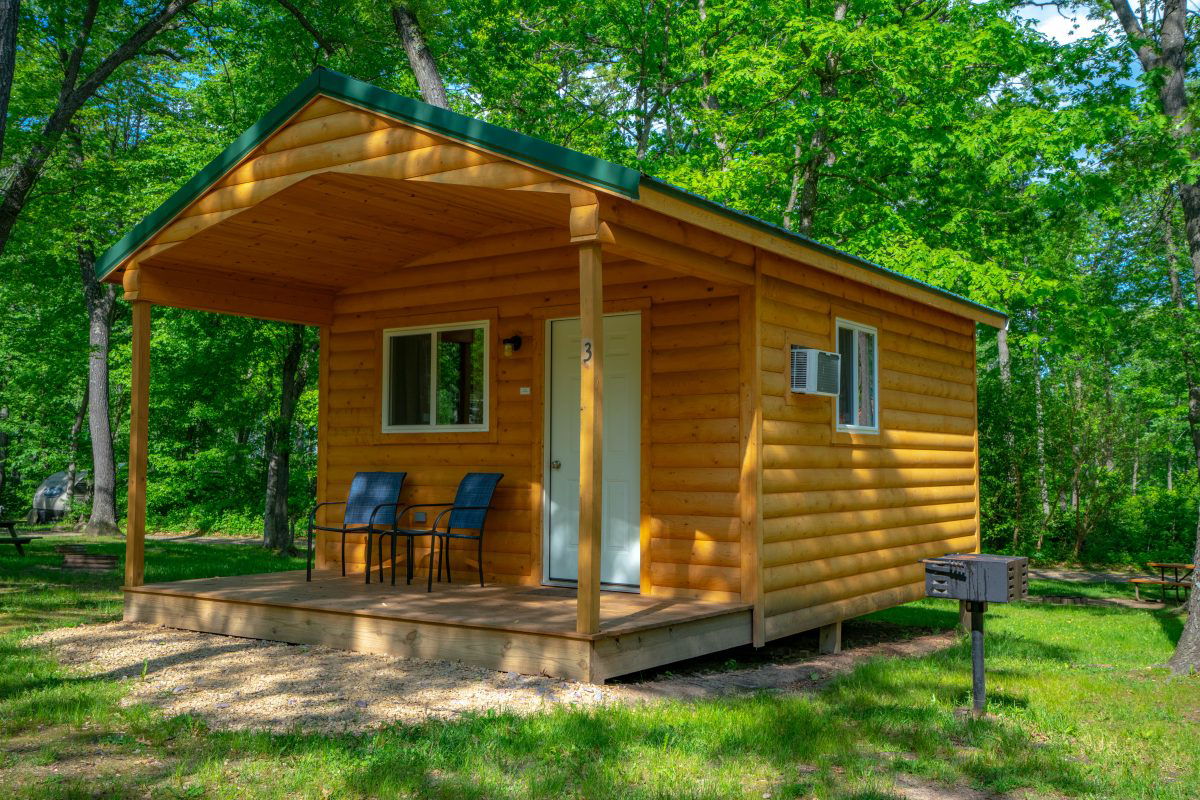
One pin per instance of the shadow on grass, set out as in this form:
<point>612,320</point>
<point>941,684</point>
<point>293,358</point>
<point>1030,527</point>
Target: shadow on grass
<point>1171,624</point>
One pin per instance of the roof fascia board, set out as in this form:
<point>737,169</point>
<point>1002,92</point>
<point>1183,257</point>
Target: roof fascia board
<point>666,198</point>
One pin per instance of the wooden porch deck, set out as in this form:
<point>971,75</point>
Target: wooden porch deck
<point>524,629</point>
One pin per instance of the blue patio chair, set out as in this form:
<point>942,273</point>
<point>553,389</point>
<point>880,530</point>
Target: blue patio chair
<point>468,512</point>
<point>372,506</point>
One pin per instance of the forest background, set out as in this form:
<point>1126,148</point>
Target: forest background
<point>1040,158</point>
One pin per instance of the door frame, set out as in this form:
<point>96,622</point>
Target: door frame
<point>547,316</point>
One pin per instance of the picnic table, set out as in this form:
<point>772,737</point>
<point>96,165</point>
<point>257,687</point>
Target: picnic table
<point>16,541</point>
<point>1182,578</point>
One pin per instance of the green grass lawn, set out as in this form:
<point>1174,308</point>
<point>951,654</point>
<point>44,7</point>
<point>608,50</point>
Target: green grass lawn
<point>1079,708</point>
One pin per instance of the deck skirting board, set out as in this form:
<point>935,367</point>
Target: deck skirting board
<point>529,653</point>
<point>503,650</point>
<point>620,655</point>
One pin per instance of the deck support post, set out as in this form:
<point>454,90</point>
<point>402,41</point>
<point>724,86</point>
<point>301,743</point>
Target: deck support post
<point>830,638</point>
<point>591,439</point>
<point>139,393</point>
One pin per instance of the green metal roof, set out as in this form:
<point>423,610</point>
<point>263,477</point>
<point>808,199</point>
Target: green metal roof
<point>527,149</point>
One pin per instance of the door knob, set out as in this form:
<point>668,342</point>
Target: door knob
<point>556,464</point>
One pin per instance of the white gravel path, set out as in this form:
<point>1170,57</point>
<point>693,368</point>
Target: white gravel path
<point>235,683</point>
<point>252,684</point>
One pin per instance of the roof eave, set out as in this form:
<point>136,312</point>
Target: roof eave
<point>971,309</point>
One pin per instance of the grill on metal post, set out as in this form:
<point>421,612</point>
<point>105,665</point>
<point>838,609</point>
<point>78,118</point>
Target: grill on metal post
<point>977,579</point>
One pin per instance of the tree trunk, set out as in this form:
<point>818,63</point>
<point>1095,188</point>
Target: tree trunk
<point>1043,483</point>
<point>709,101</point>
<point>101,307</point>
<point>1133,482</point>
<point>1186,659</point>
<point>100,300</point>
<point>810,179</point>
<point>277,530</point>
<point>3,454</point>
<point>1170,471</point>
<point>1187,652</point>
<point>73,454</point>
<point>9,16</point>
<point>804,202</point>
<point>1010,439</point>
<point>1077,434</point>
<point>424,67</point>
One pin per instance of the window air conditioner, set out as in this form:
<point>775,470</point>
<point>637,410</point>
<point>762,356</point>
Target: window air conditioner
<point>815,371</point>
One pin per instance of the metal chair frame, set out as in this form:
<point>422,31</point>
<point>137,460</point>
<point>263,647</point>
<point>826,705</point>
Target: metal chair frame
<point>369,529</point>
<point>435,534</point>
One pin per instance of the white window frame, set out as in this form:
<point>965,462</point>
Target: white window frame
<point>837,411</point>
<point>433,330</point>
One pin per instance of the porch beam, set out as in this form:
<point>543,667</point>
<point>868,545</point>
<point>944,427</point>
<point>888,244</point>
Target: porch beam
<point>139,392</point>
<point>591,439</point>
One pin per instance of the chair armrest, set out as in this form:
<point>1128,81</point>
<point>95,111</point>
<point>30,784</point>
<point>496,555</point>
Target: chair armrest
<point>312,516</point>
<point>395,519</point>
<point>454,508</point>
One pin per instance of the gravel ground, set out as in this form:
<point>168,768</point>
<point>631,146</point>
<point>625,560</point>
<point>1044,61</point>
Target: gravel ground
<point>237,683</point>
<point>251,684</point>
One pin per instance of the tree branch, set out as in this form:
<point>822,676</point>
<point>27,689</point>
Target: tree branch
<point>127,50</point>
<point>1138,40</point>
<point>321,41</point>
<point>71,72</point>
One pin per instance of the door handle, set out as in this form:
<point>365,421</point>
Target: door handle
<point>556,464</point>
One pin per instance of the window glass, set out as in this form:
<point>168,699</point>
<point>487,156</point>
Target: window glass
<point>460,377</point>
<point>858,394</point>
<point>409,373</point>
<point>864,380</point>
<point>436,378</point>
<point>846,389</point>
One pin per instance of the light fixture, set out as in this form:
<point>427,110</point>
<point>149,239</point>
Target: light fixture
<point>512,344</point>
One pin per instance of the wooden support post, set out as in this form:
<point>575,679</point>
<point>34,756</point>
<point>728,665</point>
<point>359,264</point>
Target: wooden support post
<point>964,616</point>
<point>139,392</point>
<point>322,442</point>
<point>831,638</point>
<point>591,439</point>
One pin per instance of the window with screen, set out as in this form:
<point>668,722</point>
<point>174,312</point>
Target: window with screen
<point>436,379</point>
<point>858,393</point>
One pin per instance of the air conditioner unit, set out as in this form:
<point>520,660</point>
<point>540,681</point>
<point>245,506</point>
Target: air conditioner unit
<point>815,371</point>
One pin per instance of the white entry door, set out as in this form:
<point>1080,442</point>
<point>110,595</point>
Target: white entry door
<point>621,541</point>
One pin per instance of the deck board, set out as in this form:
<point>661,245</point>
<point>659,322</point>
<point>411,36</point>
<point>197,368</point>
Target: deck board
<point>497,625</point>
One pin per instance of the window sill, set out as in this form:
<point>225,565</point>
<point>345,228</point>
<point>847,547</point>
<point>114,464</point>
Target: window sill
<point>438,429</point>
<point>857,429</point>
<point>856,438</point>
<point>434,436</point>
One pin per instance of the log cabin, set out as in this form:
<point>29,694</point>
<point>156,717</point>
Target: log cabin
<point>713,432</point>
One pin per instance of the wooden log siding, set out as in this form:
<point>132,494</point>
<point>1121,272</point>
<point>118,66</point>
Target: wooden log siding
<point>692,352</point>
<point>694,411</point>
<point>845,524</point>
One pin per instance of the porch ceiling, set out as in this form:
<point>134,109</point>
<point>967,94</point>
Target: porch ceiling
<point>333,230</point>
